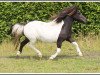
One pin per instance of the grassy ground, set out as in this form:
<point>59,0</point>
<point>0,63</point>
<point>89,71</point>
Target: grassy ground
<point>66,62</point>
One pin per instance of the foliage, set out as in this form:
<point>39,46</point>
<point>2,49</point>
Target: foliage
<point>23,12</point>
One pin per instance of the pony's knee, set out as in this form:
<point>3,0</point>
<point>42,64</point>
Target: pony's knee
<point>69,40</point>
<point>59,42</point>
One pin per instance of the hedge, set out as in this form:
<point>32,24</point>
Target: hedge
<point>23,12</point>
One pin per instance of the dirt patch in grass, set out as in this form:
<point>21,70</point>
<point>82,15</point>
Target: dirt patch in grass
<point>92,54</point>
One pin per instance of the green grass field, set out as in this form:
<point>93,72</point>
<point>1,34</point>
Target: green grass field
<point>66,62</point>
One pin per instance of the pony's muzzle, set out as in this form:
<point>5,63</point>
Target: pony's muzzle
<point>84,20</point>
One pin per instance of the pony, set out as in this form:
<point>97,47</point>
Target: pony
<point>54,31</point>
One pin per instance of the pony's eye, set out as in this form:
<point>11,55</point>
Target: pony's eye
<point>78,12</point>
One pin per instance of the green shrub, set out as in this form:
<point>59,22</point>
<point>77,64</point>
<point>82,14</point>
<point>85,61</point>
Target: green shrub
<point>23,12</point>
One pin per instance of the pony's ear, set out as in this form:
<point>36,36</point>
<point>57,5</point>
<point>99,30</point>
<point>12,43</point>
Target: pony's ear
<point>73,10</point>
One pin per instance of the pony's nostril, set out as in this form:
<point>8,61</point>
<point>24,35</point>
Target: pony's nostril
<point>85,20</point>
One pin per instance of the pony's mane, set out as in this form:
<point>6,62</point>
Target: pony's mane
<point>65,13</point>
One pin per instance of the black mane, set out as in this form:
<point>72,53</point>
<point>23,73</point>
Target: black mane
<point>65,13</point>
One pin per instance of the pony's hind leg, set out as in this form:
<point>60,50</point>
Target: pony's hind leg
<point>23,43</point>
<point>35,49</point>
<point>76,45</point>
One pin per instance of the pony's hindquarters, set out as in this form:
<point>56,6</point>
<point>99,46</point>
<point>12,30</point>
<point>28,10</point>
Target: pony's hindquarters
<point>17,31</point>
<point>30,32</point>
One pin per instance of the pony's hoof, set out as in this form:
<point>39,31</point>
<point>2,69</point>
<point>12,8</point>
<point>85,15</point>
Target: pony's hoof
<point>18,53</point>
<point>80,54</point>
<point>52,57</point>
<point>40,55</point>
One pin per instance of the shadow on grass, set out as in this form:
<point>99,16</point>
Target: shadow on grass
<point>25,57</point>
<point>37,58</point>
<point>86,54</point>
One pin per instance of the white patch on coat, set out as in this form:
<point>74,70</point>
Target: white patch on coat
<point>18,53</point>
<point>77,48</point>
<point>47,32</point>
<point>57,52</point>
<point>17,29</point>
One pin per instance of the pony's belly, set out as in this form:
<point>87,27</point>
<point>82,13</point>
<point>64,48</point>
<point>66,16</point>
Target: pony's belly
<point>47,34</point>
<point>48,38</point>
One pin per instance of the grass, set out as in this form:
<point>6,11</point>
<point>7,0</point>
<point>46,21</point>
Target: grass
<point>66,62</point>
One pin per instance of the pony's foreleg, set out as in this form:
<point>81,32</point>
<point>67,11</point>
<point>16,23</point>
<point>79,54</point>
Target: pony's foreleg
<point>23,43</point>
<point>77,48</point>
<point>59,43</point>
<point>36,50</point>
<point>76,45</point>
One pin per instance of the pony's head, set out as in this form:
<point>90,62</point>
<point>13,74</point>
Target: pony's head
<point>76,14</point>
<point>72,12</point>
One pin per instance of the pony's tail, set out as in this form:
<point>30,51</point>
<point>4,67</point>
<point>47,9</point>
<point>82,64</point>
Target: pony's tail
<point>17,32</point>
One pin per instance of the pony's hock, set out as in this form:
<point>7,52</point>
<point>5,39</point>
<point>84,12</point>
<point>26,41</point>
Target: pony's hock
<point>57,30</point>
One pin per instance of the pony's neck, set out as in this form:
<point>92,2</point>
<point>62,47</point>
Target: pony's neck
<point>68,23</point>
<point>68,20</point>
